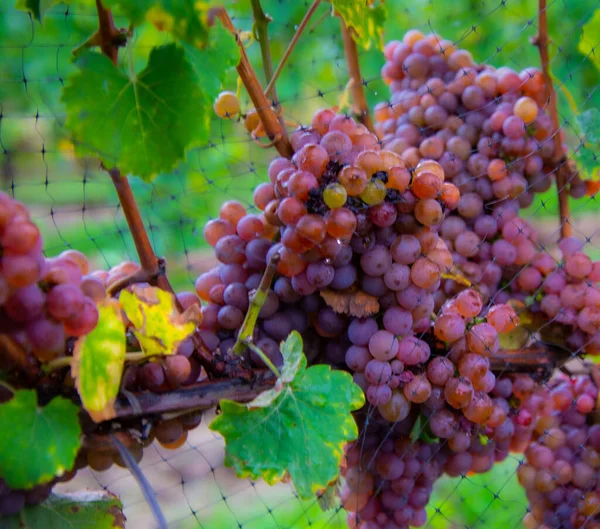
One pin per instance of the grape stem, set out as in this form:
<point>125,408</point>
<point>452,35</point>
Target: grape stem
<point>263,357</point>
<point>258,300</point>
<point>65,361</point>
<point>108,37</point>
<point>361,107</point>
<point>559,157</point>
<point>271,86</point>
<point>153,269</point>
<point>270,123</point>
<point>18,355</point>
<point>200,396</point>
<point>261,34</point>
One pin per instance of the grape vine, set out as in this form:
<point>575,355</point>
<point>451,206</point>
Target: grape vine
<point>387,296</point>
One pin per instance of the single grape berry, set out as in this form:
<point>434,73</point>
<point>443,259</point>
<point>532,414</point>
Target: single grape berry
<point>226,105</point>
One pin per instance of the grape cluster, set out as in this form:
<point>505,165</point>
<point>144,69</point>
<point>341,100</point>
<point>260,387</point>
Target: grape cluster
<point>487,127</point>
<point>42,300</point>
<point>417,355</point>
<point>568,294</point>
<point>99,451</point>
<point>388,478</point>
<point>560,471</point>
<point>340,189</point>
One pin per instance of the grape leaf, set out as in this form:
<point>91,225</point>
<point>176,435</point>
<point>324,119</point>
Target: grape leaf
<point>37,443</point>
<point>297,429</point>
<point>37,8</point>
<point>365,17</point>
<point>157,324</point>
<point>588,41</point>
<point>98,360</point>
<point>143,123</point>
<point>81,510</point>
<point>352,302</point>
<point>186,20</point>
<point>211,62</point>
<point>585,154</point>
<point>134,10</point>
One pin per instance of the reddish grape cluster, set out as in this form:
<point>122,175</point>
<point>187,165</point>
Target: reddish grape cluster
<point>339,186</point>
<point>42,301</point>
<point>487,127</point>
<point>560,471</point>
<point>388,478</point>
<point>568,293</point>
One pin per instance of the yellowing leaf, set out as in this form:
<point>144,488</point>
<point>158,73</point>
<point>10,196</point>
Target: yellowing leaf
<point>365,17</point>
<point>588,42</point>
<point>297,429</point>
<point>352,302</point>
<point>157,324</point>
<point>98,360</point>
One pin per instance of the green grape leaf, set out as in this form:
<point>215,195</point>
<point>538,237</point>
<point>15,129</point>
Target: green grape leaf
<point>297,429</point>
<point>134,10</point>
<point>157,324</point>
<point>186,20</point>
<point>37,8</point>
<point>585,155</point>
<point>37,443</point>
<point>365,17</point>
<point>81,510</point>
<point>98,361</point>
<point>588,42</point>
<point>212,62</point>
<point>142,123</point>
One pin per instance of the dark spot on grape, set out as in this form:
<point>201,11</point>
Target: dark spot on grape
<point>392,195</point>
<point>380,175</point>
<point>315,203</point>
<point>354,204</point>
<point>331,172</point>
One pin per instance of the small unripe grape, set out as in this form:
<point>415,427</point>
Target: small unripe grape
<point>335,196</point>
<point>226,105</point>
<point>374,193</point>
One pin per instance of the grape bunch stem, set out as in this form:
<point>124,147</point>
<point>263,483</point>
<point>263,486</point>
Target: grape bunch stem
<point>267,116</point>
<point>357,86</point>
<point>561,167</point>
<point>256,303</point>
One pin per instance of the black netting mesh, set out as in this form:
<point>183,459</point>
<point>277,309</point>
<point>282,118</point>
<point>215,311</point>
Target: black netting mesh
<point>74,203</point>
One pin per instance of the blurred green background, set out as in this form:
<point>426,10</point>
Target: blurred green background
<point>76,206</point>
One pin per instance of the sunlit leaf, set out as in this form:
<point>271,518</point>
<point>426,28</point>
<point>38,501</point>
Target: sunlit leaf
<point>298,428</point>
<point>184,19</point>
<point>365,17</point>
<point>98,360</point>
<point>157,324</point>
<point>81,510</point>
<point>37,443</point>
<point>588,41</point>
